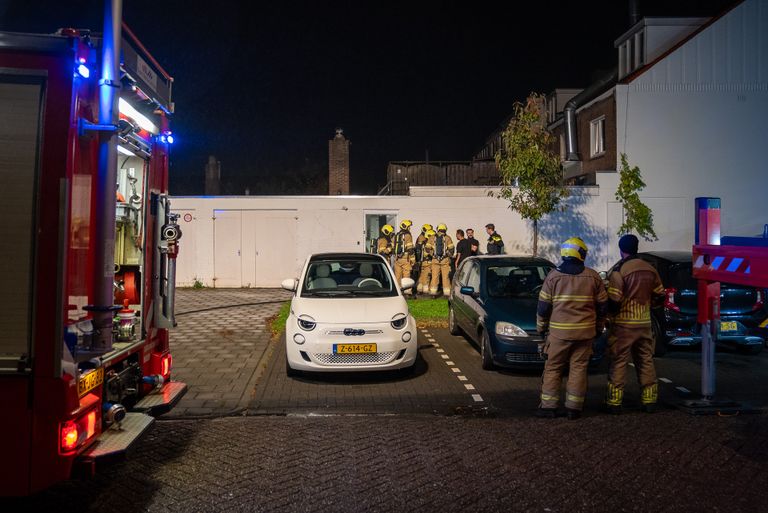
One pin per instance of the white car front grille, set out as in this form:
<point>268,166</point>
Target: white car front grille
<point>353,359</point>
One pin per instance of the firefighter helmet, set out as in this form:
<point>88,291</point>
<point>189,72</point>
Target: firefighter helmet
<point>405,224</point>
<point>426,228</point>
<point>387,229</point>
<point>430,233</point>
<point>574,247</point>
<point>442,228</point>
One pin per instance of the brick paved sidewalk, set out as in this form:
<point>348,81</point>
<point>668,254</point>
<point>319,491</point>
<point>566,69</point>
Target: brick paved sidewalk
<point>220,355</point>
<point>668,462</point>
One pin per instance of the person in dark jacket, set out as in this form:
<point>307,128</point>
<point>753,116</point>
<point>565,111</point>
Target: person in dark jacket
<point>495,243</point>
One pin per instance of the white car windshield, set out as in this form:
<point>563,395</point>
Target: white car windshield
<point>347,277</point>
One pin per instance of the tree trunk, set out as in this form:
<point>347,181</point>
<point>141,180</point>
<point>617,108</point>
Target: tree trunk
<point>535,237</point>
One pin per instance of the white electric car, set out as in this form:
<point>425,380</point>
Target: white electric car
<point>348,314</point>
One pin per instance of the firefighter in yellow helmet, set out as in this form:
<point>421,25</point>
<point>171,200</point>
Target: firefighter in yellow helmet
<point>441,247</point>
<point>634,287</point>
<point>571,313</point>
<point>404,252</point>
<point>423,261</point>
<point>384,242</point>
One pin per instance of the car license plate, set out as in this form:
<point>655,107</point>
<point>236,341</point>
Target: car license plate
<point>728,326</point>
<point>90,381</point>
<point>353,348</point>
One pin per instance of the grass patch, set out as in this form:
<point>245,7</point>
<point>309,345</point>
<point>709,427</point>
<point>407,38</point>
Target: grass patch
<point>276,323</point>
<point>429,312</point>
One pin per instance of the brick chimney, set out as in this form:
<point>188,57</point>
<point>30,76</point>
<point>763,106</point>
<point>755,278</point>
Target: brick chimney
<point>338,164</point>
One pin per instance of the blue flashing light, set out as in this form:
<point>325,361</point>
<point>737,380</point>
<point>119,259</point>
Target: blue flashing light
<point>83,70</point>
<point>170,139</point>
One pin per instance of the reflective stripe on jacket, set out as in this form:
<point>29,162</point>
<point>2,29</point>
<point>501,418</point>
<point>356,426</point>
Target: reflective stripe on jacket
<point>634,287</point>
<point>572,306</point>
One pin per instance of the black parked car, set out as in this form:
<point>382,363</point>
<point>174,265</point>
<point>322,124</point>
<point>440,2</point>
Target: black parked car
<point>742,309</point>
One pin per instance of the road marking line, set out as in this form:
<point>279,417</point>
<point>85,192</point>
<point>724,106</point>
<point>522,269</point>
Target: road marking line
<point>456,370</point>
<point>477,397</point>
<point>444,356</point>
<point>462,378</point>
<point>449,363</point>
<point>441,350</point>
<point>435,345</point>
<point>469,387</point>
<point>665,380</point>
<point>683,390</point>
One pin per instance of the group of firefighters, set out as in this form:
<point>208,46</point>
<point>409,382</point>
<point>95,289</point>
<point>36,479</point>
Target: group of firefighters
<point>572,311</point>
<point>431,258</point>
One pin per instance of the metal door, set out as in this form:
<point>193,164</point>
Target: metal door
<point>227,248</point>
<point>186,262</point>
<point>275,248</point>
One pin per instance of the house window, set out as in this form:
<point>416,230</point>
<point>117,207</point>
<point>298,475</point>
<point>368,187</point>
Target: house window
<point>597,137</point>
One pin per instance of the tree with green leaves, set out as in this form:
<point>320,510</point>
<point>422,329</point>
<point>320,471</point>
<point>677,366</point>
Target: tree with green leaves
<point>638,218</point>
<point>531,174</point>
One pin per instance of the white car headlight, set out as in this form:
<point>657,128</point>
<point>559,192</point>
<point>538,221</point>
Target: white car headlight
<point>306,322</point>
<point>510,330</point>
<point>398,321</point>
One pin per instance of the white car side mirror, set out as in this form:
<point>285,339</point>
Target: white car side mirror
<point>407,283</point>
<point>290,284</point>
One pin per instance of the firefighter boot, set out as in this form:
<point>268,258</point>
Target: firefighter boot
<point>613,399</point>
<point>573,414</point>
<point>648,397</point>
<point>545,413</point>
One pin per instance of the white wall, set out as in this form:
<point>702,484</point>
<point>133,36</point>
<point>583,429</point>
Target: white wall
<point>337,223</point>
<point>697,125</point>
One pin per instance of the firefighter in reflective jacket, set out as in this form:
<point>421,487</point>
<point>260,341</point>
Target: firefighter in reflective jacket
<point>441,247</point>
<point>634,287</point>
<point>384,243</point>
<point>404,252</point>
<point>571,313</point>
<point>423,261</point>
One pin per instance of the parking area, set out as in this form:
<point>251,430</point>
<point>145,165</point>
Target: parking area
<point>225,352</point>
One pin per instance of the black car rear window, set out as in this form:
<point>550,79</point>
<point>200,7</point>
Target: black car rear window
<point>681,278</point>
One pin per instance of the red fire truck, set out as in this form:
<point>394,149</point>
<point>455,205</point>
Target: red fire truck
<point>88,249</point>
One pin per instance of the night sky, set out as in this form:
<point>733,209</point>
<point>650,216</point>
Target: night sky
<point>264,85</point>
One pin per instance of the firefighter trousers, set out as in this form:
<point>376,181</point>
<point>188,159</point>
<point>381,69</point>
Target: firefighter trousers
<point>636,342</point>
<point>426,269</point>
<point>440,271</point>
<point>561,354</point>
<point>403,270</point>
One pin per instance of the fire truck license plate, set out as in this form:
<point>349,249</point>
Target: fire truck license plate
<point>90,381</point>
<point>353,348</point>
<point>728,326</point>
